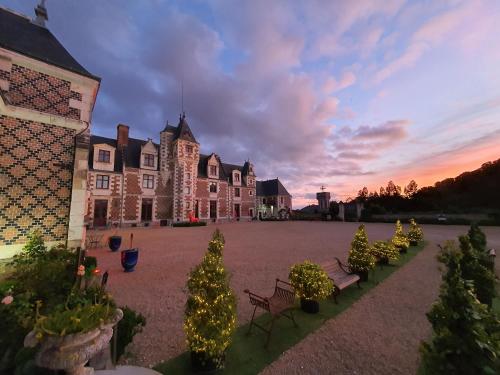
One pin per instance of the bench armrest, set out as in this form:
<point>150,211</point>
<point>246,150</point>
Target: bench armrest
<point>257,300</point>
<point>344,267</point>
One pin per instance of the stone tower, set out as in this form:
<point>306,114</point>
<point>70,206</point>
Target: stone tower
<point>186,155</point>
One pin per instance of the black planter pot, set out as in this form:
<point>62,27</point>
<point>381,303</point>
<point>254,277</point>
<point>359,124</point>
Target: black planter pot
<point>309,306</point>
<point>363,275</point>
<point>201,363</point>
<point>129,259</point>
<point>114,243</point>
<point>383,261</point>
<point>413,243</point>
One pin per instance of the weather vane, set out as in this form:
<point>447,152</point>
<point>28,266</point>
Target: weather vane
<point>322,188</point>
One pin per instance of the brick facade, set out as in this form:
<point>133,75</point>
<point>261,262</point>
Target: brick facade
<point>35,184</point>
<point>46,102</point>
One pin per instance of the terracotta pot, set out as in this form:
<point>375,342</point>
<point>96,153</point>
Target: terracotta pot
<point>309,306</point>
<point>70,353</point>
<point>201,363</point>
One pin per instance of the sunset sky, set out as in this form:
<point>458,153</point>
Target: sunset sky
<point>344,94</point>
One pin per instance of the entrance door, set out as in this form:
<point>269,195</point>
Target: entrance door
<point>196,209</point>
<point>147,210</point>
<point>213,209</point>
<point>100,212</point>
<point>237,211</point>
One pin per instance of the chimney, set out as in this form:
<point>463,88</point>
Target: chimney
<point>41,14</point>
<point>122,135</point>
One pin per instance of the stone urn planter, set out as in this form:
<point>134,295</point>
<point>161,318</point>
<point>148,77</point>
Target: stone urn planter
<point>70,353</point>
<point>114,243</point>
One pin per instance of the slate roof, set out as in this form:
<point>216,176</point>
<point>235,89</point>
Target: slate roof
<point>270,188</point>
<point>19,34</point>
<point>131,154</point>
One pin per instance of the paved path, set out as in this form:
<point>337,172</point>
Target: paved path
<point>379,334</point>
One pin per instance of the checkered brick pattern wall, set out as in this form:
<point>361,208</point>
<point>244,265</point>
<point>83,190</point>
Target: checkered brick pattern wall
<point>35,183</point>
<point>44,93</point>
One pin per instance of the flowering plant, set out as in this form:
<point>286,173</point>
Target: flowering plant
<point>310,281</point>
<point>384,250</point>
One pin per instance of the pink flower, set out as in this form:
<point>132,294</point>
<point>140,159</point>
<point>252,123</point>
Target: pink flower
<point>7,300</point>
<point>81,270</point>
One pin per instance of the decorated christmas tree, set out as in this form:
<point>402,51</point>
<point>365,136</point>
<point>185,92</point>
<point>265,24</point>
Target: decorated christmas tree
<point>360,259</point>
<point>399,239</point>
<point>415,233</point>
<point>466,333</point>
<point>210,315</point>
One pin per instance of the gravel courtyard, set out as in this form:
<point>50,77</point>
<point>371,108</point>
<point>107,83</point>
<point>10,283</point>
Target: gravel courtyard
<point>255,254</point>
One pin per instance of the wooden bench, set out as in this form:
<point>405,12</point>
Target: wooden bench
<point>281,301</point>
<point>341,276</point>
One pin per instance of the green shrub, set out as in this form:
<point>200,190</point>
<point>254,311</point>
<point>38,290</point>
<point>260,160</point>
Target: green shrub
<point>399,239</point>
<point>130,325</point>
<point>310,281</point>
<point>384,250</point>
<point>466,338</point>
<point>32,250</point>
<point>482,277</point>
<point>360,258</point>
<point>477,238</point>
<point>210,314</point>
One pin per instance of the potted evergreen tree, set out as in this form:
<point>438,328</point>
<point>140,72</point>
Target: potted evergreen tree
<point>210,314</point>
<point>465,332</point>
<point>399,239</point>
<point>311,284</point>
<point>384,251</point>
<point>415,233</point>
<point>360,258</point>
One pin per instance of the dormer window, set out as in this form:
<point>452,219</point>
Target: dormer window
<point>213,170</point>
<point>237,177</point>
<point>149,160</point>
<point>104,156</point>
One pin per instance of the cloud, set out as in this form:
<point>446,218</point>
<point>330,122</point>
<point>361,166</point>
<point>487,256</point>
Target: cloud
<point>331,85</point>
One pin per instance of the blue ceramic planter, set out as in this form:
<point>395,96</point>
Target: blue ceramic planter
<point>129,259</point>
<point>114,243</point>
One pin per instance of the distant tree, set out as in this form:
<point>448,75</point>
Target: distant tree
<point>392,189</point>
<point>382,191</point>
<point>411,189</point>
<point>363,193</point>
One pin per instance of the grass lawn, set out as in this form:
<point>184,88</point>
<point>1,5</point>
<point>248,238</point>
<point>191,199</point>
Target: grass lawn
<point>247,354</point>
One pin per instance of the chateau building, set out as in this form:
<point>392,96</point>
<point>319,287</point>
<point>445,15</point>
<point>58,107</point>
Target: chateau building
<point>46,103</point>
<point>139,182</point>
<point>273,200</point>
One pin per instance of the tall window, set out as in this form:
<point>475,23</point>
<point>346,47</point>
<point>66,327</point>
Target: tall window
<point>149,160</point>
<point>102,182</point>
<point>104,156</point>
<point>187,190</point>
<point>148,181</point>
<point>250,192</point>
<point>236,177</point>
<point>189,149</point>
<point>281,200</point>
<point>213,170</point>
<point>213,187</point>
<point>237,192</point>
